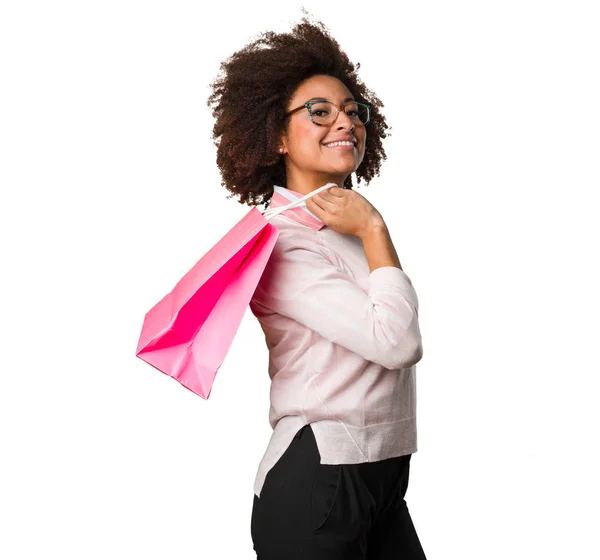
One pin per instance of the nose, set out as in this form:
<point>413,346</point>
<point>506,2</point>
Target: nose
<point>343,119</point>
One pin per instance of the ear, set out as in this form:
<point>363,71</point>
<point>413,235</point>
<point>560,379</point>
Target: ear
<point>282,148</point>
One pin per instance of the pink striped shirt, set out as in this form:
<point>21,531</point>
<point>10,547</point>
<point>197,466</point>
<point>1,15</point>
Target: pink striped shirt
<point>343,343</point>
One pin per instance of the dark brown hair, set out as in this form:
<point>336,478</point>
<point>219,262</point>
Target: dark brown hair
<point>250,98</point>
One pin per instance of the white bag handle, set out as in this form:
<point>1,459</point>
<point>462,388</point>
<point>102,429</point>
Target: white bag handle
<point>271,212</point>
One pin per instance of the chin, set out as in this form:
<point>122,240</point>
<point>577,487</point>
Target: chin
<point>347,167</point>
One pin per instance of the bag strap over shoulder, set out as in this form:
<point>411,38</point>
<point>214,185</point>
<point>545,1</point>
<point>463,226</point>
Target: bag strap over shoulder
<point>271,212</point>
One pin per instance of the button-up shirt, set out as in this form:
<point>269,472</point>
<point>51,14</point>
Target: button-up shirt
<point>343,343</point>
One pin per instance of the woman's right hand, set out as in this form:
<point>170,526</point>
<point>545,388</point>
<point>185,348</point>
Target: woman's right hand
<point>345,211</point>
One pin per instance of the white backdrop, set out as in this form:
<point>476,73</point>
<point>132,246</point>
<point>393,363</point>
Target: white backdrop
<point>110,193</point>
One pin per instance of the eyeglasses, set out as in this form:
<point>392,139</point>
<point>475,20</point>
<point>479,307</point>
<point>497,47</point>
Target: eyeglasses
<point>325,113</point>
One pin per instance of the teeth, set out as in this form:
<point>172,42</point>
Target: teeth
<point>345,143</point>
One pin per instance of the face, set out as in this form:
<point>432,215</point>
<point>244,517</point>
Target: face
<point>309,163</point>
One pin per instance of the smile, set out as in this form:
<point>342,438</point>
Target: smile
<point>340,146</point>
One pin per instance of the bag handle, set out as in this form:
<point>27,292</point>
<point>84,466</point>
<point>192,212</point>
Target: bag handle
<point>272,212</point>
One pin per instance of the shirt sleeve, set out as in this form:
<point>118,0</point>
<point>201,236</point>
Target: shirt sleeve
<point>302,283</point>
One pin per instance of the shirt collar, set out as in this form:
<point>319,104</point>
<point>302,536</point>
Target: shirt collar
<point>300,213</point>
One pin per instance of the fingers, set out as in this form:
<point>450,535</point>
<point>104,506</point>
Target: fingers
<point>324,195</point>
<point>324,203</point>
<point>332,191</point>
<point>312,203</point>
<point>325,199</point>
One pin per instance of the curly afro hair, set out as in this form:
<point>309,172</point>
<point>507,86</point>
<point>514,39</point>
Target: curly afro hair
<point>263,76</point>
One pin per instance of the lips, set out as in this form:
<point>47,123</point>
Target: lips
<point>349,148</point>
<point>344,148</point>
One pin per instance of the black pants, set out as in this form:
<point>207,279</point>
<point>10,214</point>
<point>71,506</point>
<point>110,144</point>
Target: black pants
<point>310,511</point>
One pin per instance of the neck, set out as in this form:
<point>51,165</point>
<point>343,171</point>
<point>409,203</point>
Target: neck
<point>307,183</point>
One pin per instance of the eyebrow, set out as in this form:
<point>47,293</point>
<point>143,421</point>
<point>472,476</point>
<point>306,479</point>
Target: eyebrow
<point>325,99</point>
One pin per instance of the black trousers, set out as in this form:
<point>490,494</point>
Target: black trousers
<point>310,511</point>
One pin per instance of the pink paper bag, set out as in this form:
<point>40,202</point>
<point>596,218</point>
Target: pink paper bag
<point>187,334</point>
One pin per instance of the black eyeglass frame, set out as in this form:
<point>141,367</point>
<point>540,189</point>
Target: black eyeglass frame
<point>309,104</point>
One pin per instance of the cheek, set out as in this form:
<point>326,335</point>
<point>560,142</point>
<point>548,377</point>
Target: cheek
<point>308,137</point>
<point>363,147</point>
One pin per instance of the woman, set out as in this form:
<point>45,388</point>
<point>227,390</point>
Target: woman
<point>339,314</point>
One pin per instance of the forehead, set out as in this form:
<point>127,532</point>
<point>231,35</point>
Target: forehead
<point>322,86</point>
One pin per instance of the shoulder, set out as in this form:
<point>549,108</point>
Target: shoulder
<point>293,235</point>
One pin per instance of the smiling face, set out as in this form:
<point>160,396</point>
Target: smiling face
<point>309,163</point>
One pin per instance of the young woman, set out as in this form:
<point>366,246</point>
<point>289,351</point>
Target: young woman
<point>339,314</point>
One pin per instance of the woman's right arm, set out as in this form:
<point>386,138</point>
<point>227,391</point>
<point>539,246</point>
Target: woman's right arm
<point>302,283</point>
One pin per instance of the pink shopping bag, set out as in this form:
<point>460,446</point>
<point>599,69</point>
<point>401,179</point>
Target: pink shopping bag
<point>187,334</point>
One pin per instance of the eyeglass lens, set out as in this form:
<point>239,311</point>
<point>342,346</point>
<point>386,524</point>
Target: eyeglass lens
<point>324,112</point>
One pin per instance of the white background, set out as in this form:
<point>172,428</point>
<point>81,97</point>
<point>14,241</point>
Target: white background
<point>110,193</point>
